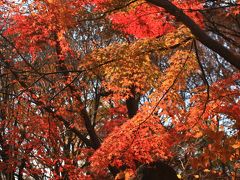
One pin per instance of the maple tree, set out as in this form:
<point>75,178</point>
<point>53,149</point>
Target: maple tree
<point>100,89</point>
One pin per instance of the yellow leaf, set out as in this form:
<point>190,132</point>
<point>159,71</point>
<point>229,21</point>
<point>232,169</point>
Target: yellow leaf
<point>196,176</point>
<point>236,145</point>
<point>179,176</point>
<point>120,175</point>
<point>206,170</point>
<point>198,134</point>
<point>50,1</point>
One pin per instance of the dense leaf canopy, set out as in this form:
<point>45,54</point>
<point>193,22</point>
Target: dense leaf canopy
<point>98,89</point>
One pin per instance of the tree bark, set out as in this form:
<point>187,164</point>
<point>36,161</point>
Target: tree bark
<point>132,103</point>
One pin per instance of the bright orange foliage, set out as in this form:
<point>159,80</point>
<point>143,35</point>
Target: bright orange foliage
<point>94,89</point>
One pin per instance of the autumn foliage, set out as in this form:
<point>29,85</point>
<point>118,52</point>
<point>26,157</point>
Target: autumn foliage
<point>96,89</point>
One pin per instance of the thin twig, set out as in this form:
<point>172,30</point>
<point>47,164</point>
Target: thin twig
<point>204,77</point>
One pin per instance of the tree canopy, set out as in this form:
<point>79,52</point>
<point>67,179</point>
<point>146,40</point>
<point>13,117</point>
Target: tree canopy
<point>106,89</point>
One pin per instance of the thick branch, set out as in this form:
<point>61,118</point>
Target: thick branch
<point>212,44</point>
<point>90,129</point>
